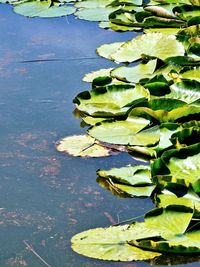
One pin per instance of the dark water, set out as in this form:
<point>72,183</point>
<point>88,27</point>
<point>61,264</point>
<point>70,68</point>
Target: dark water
<point>47,197</point>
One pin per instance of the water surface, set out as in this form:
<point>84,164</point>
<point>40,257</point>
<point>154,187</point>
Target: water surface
<point>47,197</point>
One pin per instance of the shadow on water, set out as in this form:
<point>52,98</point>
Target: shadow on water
<point>46,197</point>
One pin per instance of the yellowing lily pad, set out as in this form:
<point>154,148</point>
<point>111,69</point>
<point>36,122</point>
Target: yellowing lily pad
<point>82,146</point>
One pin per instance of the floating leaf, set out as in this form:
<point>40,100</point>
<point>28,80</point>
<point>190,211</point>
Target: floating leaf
<point>166,110</point>
<point>179,166</point>
<point>82,146</point>
<point>131,175</point>
<point>187,243</point>
<point>126,132</point>
<point>95,14</point>
<point>129,180</point>
<point>112,100</point>
<point>192,74</point>
<point>92,120</point>
<point>106,50</point>
<point>151,44</point>
<point>93,3</point>
<point>187,12</point>
<point>134,74</point>
<point>187,91</point>
<point>166,131</point>
<point>116,27</point>
<point>167,31</point>
<point>136,191</point>
<point>190,200</point>
<point>170,221</point>
<point>43,9</point>
<point>95,74</point>
<point>111,243</point>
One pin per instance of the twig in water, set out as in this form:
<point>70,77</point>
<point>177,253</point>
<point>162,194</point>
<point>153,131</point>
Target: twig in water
<point>131,219</point>
<point>110,218</point>
<point>30,248</point>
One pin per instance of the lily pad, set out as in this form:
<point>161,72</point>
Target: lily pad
<point>89,77</point>
<point>170,221</point>
<point>43,9</point>
<point>186,243</point>
<point>110,101</point>
<point>179,166</point>
<point>166,110</point>
<point>151,44</point>
<point>187,91</point>
<point>190,200</point>
<point>95,14</point>
<point>130,175</point>
<point>111,243</point>
<point>126,132</point>
<point>82,146</point>
<point>134,74</point>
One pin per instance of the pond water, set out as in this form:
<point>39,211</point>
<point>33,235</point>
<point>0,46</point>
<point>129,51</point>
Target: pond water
<point>47,197</point>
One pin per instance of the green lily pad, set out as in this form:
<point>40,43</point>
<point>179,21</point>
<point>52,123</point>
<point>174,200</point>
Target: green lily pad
<point>187,12</point>
<point>111,243</point>
<point>130,175</point>
<point>186,243</point>
<point>187,91</point>
<point>192,74</point>
<point>92,120</point>
<point>116,27</point>
<point>134,74</point>
<point>82,146</point>
<point>132,181</point>
<point>190,200</point>
<point>112,100</point>
<point>179,166</point>
<point>135,191</point>
<point>126,132</point>
<point>93,3</point>
<point>89,77</point>
<point>186,137</point>
<point>43,9</point>
<point>166,110</point>
<point>32,8</point>
<point>106,50</point>
<point>170,221</point>
<point>151,44</point>
<point>166,131</point>
<point>167,31</point>
<point>95,14</point>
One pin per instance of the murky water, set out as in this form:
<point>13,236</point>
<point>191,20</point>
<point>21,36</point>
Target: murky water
<point>46,197</point>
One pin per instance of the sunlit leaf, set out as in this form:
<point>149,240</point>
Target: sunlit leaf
<point>167,30</point>
<point>131,175</point>
<point>134,74</point>
<point>166,110</point>
<point>43,9</point>
<point>186,243</point>
<point>106,50</point>
<point>89,77</point>
<point>82,146</point>
<point>112,100</point>
<point>126,132</point>
<point>190,200</point>
<point>152,44</point>
<point>169,221</point>
<point>179,166</point>
<point>187,91</point>
<point>192,74</point>
<point>186,12</point>
<point>111,243</point>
